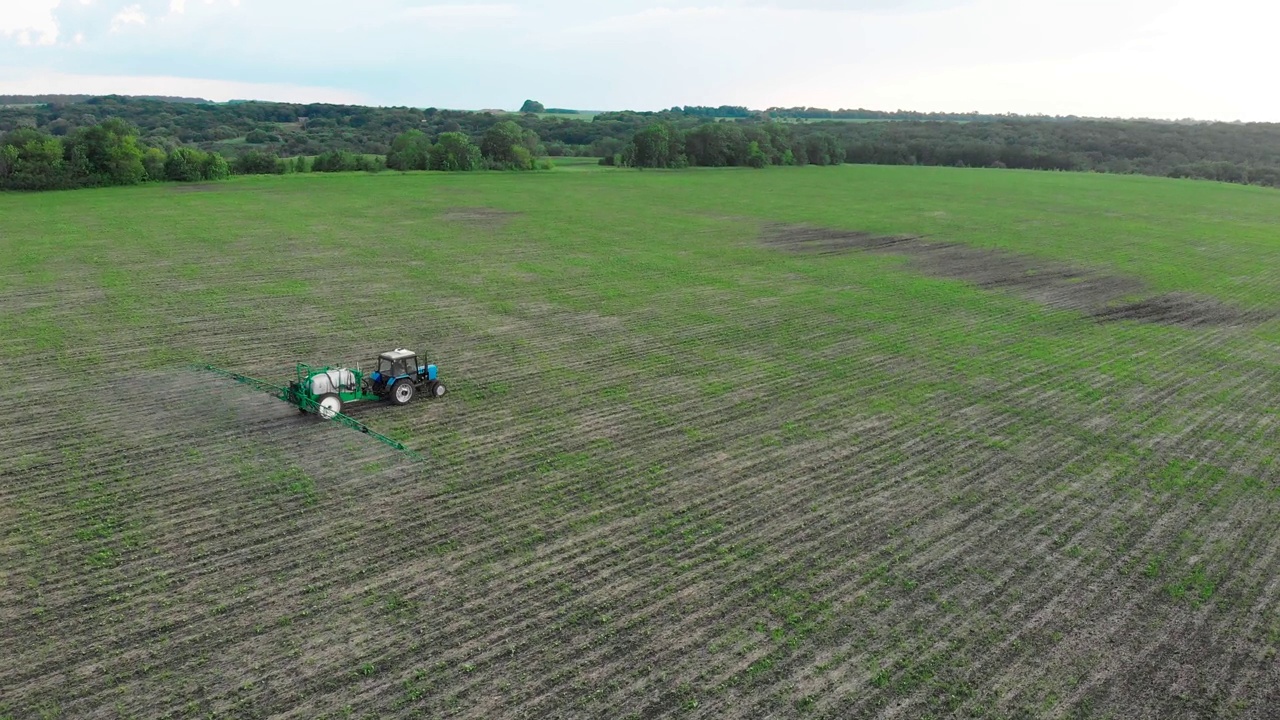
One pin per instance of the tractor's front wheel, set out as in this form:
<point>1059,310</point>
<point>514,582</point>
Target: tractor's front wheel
<point>330,405</point>
<point>402,392</point>
<point>436,389</point>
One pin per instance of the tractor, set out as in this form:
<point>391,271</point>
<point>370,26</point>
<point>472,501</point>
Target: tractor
<point>398,378</point>
<point>323,391</point>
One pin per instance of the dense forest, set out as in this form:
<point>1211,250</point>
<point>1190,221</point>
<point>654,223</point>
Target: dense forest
<point>257,136</point>
<point>66,99</point>
<point>812,113</point>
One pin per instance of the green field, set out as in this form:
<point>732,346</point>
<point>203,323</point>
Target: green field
<point>584,115</point>
<point>805,442</point>
<point>571,162</point>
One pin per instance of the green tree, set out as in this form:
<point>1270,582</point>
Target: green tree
<point>657,146</point>
<point>107,153</point>
<point>823,149</point>
<point>257,162</point>
<point>502,145</point>
<point>454,151</point>
<point>8,160</point>
<point>773,139</point>
<point>214,167</point>
<point>411,150</point>
<point>523,159</point>
<point>716,145</point>
<point>373,164</point>
<point>532,106</point>
<point>153,163</point>
<point>185,165</point>
<point>31,160</point>
<point>337,161</point>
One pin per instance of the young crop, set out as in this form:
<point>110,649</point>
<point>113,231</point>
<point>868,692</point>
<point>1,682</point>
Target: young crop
<point>718,444</point>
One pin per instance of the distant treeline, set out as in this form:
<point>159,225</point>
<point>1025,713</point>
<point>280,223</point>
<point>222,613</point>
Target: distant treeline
<point>1247,153</point>
<point>722,144</point>
<point>109,153</point>
<point>1244,153</point>
<point>1232,152</point>
<point>812,113</point>
<point>68,99</point>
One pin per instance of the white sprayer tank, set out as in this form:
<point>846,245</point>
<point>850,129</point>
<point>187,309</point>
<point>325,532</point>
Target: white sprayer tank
<point>332,381</point>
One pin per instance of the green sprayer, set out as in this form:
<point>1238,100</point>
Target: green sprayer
<point>325,391</point>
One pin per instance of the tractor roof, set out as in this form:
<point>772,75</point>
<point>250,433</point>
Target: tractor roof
<point>398,354</point>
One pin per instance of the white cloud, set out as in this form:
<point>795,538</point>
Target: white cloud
<point>131,15</point>
<point>1097,57</point>
<point>663,17</point>
<point>463,12</point>
<point>22,81</point>
<point>31,21</point>
<point>1031,59</point>
<point>194,8</point>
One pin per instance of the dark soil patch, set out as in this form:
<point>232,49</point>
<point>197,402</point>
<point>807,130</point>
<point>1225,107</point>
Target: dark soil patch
<point>1183,309</point>
<point>481,216</point>
<point>824,241</point>
<point>1104,296</point>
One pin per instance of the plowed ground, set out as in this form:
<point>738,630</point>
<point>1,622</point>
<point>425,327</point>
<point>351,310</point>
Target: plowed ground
<point>712,448</point>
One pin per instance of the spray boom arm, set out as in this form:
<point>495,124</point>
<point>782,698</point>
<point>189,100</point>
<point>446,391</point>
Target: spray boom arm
<point>302,402</point>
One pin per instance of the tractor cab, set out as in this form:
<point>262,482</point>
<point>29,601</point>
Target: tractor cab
<point>397,363</point>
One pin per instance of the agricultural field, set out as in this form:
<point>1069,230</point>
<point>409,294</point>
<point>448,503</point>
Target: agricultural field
<point>805,442</point>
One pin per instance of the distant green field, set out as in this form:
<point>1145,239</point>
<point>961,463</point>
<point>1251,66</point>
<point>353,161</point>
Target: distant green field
<point>579,115</point>
<point>586,115</point>
<point>577,163</point>
<point>805,442</point>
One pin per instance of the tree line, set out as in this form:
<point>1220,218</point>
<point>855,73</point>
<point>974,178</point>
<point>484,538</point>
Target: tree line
<point>504,146</point>
<point>721,144</point>
<point>106,153</point>
<point>64,99</point>
<point>355,137</point>
<point>110,153</point>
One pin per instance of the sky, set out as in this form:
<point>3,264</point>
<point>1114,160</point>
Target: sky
<point>1103,58</point>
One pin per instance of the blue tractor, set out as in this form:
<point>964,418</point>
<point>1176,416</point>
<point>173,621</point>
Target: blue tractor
<point>399,377</point>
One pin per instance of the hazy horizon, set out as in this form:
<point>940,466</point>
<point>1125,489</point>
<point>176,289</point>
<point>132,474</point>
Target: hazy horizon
<point>1130,58</point>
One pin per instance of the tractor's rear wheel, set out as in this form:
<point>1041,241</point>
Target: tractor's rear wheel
<point>436,389</point>
<point>402,392</point>
<point>330,405</point>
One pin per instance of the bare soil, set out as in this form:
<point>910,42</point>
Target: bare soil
<point>1104,296</point>
<point>1183,309</point>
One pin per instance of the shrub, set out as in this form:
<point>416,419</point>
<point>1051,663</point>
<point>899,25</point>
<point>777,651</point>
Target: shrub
<point>257,162</point>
